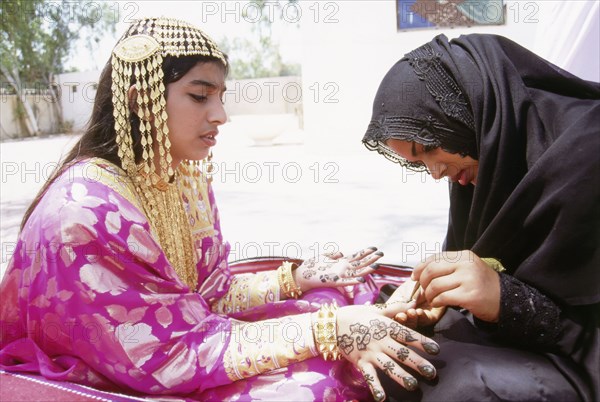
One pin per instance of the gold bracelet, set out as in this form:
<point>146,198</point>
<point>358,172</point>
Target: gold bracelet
<point>286,280</point>
<point>325,332</point>
<point>494,264</point>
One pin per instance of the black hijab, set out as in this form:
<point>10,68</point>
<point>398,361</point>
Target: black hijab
<point>535,130</point>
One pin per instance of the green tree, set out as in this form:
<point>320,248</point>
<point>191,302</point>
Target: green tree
<point>259,57</point>
<point>36,37</point>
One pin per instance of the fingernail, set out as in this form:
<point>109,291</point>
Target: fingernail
<point>361,279</point>
<point>378,395</point>
<point>431,348</point>
<point>427,371</point>
<point>379,253</point>
<point>374,266</point>
<point>373,248</point>
<point>410,383</point>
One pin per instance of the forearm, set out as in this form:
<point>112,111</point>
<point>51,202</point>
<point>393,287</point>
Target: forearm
<point>526,314</point>
<point>247,291</point>
<point>258,347</point>
<point>527,317</point>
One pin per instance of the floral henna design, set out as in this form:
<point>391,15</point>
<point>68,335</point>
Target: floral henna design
<point>310,263</point>
<point>368,378</point>
<point>401,354</point>
<point>345,343</point>
<point>378,329</point>
<point>377,394</point>
<point>326,266</point>
<point>400,334</point>
<point>361,335</point>
<point>388,368</point>
<point>309,273</point>
<point>326,278</point>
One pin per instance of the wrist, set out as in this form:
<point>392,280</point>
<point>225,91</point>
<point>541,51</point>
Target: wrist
<point>495,264</point>
<point>287,282</point>
<point>299,280</point>
<point>325,331</point>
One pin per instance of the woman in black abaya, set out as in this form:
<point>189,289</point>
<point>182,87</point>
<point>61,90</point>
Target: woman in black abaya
<point>518,286</point>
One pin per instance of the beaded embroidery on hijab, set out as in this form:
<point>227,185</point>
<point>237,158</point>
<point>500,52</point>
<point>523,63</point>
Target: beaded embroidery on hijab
<point>415,90</point>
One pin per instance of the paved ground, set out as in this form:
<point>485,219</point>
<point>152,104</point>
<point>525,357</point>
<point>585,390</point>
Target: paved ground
<point>289,199</point>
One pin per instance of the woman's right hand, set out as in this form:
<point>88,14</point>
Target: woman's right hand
<point>369,338</point>
<point>422,314</point>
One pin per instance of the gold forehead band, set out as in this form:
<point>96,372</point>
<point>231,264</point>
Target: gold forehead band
<point>174,38</point>
<point>136,48</point>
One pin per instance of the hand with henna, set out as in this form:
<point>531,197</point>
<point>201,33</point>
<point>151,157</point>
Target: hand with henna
<point>370,339</point>
<point>423,314</point>
<point>335,270</point>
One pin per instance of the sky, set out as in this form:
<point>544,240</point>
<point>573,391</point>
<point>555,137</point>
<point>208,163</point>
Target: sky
<point>218,19</point>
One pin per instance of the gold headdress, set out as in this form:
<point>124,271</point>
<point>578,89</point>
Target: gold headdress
<point>137,60</point>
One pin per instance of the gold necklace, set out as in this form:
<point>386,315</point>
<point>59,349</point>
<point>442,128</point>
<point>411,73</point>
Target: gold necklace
<point>163,206</point>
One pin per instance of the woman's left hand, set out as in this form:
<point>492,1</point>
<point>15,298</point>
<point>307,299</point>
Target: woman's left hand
<point>460,278</point>
<point>335,270</point>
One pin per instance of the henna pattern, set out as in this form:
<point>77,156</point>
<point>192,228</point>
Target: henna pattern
<point>326,266</point>
<point>379,329</point>
<point>377,394</point>
<point>332,254</point>
<point>388,368</point>
<point>361,335</point>
<point>401,354</point>
<point>427,371</point>
<point>400,334</point>
<point>345,343</point>
<point>431,348</point>
<point>310,263</point>
<point>309,273</point>
<point>410,383</point>
<point>368,377</point>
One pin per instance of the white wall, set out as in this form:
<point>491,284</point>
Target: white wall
<point>11,127</point>
<point>352,55</point>
<point>78,91</point>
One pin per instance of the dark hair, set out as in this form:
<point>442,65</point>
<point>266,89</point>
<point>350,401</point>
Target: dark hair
<point>99,139</point>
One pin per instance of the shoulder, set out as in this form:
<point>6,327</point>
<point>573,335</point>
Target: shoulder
<point>89,194</point>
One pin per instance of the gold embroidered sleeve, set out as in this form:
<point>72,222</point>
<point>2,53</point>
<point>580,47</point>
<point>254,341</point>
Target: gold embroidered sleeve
<point>247,291</point>
<point>258,347</point>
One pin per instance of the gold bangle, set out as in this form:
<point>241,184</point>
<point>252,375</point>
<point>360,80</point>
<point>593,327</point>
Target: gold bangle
<point>286,280</point>
<point>494,264</point>
<point>325,332</point>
